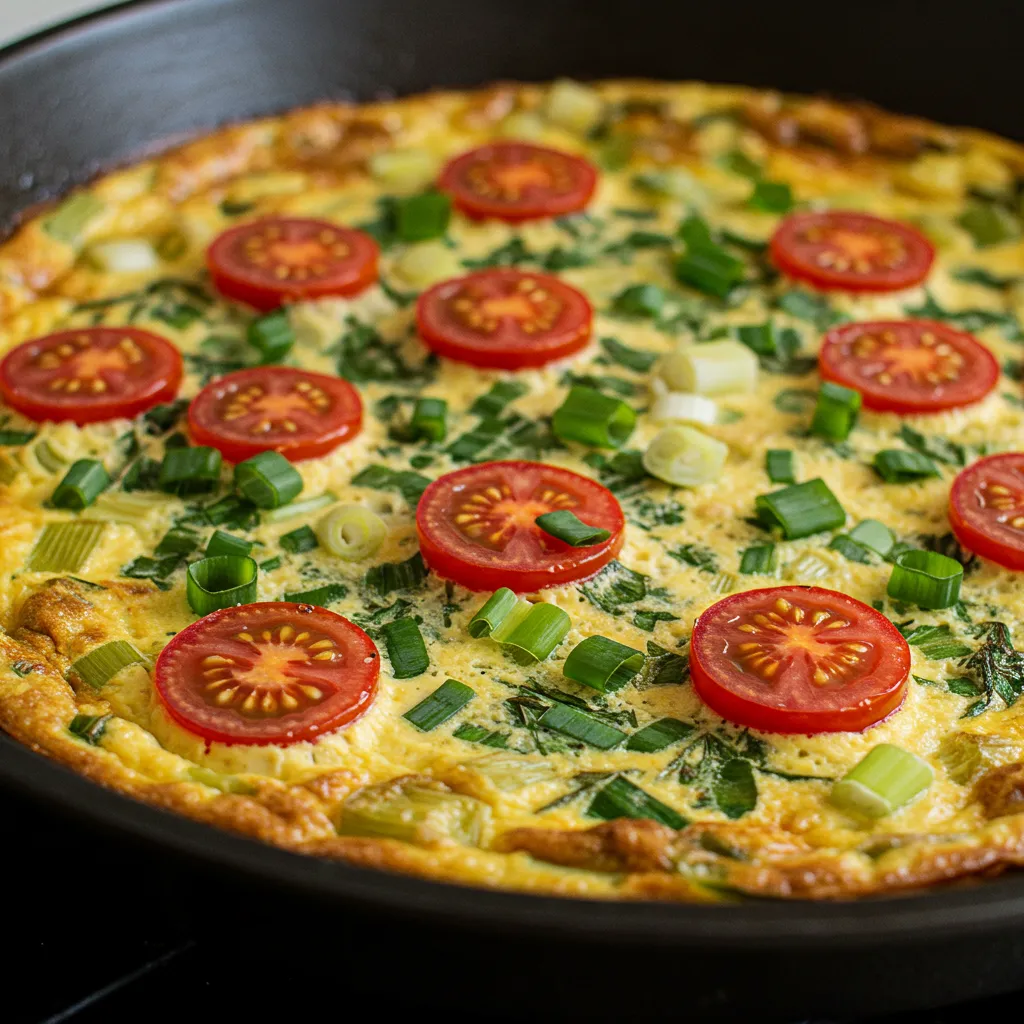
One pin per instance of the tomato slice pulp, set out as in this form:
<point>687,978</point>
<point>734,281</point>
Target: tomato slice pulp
<point>476,526</point>
<point>269,262</point>
<point>986,508</point>
<point>909,366</point>
<point>275,408</point>
<point>504,319</point>
<point>798,660</point>
<point>272,672</point>
<point>90,374</point>
<point>852,252</point>
<point>516,181</point>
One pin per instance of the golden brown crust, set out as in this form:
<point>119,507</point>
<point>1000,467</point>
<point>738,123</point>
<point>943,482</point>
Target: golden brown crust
<point>1001,791</point>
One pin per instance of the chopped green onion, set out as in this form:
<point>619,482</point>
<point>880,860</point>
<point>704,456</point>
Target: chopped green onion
<point>189,470</point>
<point>222,543</point>
<point>390,576</point>
<point>82,485</point>
<point>406,650</point>
<point>659,735</point>
<point>320,596</point>
<point>123,256</point>
<point>493,402</point>
<point>539,633</point>
<point>639,300</point>
<point>759,560</point>
<point>710,368</point>
<point>620,798</point>
<point>674,182</point>
<point>351,532</point>
<point>673,407</point>
<point>771,197</point>
<point>587,415</point>
<point>268,480</point>
<point>566,526</point>
<point>511,620</point>
<point>15,438</point>
<point>684,457</point>
<point>70,219</point>
<point>578,725</point>
<point>299,508</point>
<point>927,579</point>
<point>836,413</point>
<point>778,464</point>
<point>177,541</point>
<point>447,700</point>
<point>89,727</point>
<point>298,541</point>
<point>989,224</point>
<point>429,419</point>
<point>102,663</point>
<point>874,535</point>
<point>896,466</point>
<point>420,218</point>
<point>710,269</point>
<point>850,549</point>
<point>801,509</point>
<point>270,564</point>
<point>602,664</point>
<point>64,547</point>
<point>272,335</point>
<point>223,581</point>
<point>493,613</point>
<point>885,779</point>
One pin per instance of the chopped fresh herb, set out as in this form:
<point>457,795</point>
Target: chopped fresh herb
<point>298,541</point>
<point>735,789</point>
<point>758,560</point>
<point>969,320</point>
<point>850,549</point>
<point>659,735</point>
<point>178,541</point>
<point>566,526</point>
<point>409,484</point>
<point>699,557</point>
<point>390,576</point>
<point>937,642</point>
<point>406,650</point>
<point>481,734</point>
<point>989,223</point>
<point>364,356</point>
<point>615,586</point>
<point>631,358</point>
<point>778,350</point>
<point>664,668</point>
<point>320,596</point>
<point>579,725</point>
<point>998,667</point>
<point>737,162</point>
<point>89,727</point>
<point>470,446</point>
<point>771,197</point>
<point>979,275</point>
<point>810,307</point>
<point>511,254</point>
<point>155,569</point>
<point>939,448</point>
<point>13,438</point>
<point>272,335</point>
<point>420,218</point>
<point>646,619</point>
<point>493,403</point>
<point>445,702</point>
<point>641,300</point>
<point>620,798</point>
<point>620,473</point>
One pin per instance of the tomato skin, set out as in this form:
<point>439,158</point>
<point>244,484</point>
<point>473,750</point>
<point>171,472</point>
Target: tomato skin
<point>982,521</point>
<point>529,559</point>
<point>509,340</point>
<point>192,665</point>
<point>976,369</point>
<point>791,701</point>
<point>319,259</point>
<point>494,180</point>
<point>149,373</point>
<point>802,240</point>
<point>319,430</point>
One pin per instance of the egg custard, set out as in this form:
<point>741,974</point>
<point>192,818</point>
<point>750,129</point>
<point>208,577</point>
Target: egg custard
<point>607,491</point>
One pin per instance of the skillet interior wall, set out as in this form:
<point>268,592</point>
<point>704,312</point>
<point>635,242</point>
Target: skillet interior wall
<point>177,66</point>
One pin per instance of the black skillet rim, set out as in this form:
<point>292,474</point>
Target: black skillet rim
<point>931,916</point>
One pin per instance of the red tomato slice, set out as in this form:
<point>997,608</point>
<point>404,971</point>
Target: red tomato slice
<point>504,319</point>
<point>852,252</point>
<point>298,413</point>
<point>986,508</point>
<point>798,660</point>
<point>517,181</point>
<point>908,366</point>
<point>90,374</point>
<point>476,526</point>
<point>273,672</point>
<point>285,259</point>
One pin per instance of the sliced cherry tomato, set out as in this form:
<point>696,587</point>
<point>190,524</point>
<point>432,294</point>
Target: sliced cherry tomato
<point>852,252</point>
<point>798,660</point>
<point>284,259</point>
<point>517,181</point>
<point>273,672</point>
<point>300,414</point>
<point>986,508</point>
<point>506,319</point>
<point>90,374</point>
<point>476,526</point>
<point>909,366</point>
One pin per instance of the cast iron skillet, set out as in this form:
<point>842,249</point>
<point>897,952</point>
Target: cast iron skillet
<point>102,89</point>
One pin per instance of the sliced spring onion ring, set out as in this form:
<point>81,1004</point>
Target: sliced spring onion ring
<point>759,560</point>
<point>299,508</point>
<point>447,700</point>
<point>836,413</point>
<point>927,579</point>
<point>602,664</point>
<point>710,368</point>
<point>221,543</point>
<point>568,527</point>
<point>493,613</point>
<point>406,649</point>
<point>351,532</point>
<point>779,465</point>
<point>82,485</point>
<point>222,581</point>
<point>64,547</point>
<point>268,480</point>
<point>896,466</point>
<point>801,509</point>
<point>684,457</point>
<point>673,407</point>
<point>102,663</point>
<point>542,629</point>
<point>885,779</point>
<point>127,256</point>
<point>588,416</point>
